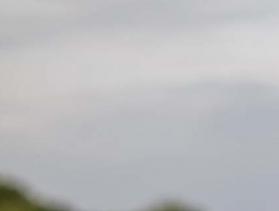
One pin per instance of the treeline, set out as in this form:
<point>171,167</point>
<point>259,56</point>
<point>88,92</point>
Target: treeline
<point>14,197</point>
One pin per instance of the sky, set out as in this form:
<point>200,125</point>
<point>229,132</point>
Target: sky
<point>116,104</point>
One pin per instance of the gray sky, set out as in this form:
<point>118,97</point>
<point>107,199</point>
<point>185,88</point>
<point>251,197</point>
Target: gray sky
<point>115,104</point>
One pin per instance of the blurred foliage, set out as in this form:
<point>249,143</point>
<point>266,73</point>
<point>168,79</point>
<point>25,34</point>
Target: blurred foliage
<point>13,198</point>
<point>172,206</point>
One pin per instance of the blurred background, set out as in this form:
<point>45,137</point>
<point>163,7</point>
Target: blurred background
<point>119,104</point>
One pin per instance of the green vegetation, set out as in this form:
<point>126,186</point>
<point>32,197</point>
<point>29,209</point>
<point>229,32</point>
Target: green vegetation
<point>14,198</point>
<point>172,206</point>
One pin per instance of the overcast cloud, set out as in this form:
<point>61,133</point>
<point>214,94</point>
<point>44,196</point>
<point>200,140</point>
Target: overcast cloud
<point>114,104</point>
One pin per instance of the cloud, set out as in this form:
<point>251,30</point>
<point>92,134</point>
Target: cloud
<point>31,22</point>
<point>168,15</point>
<point>99,63</point>
<point>27,22</point>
